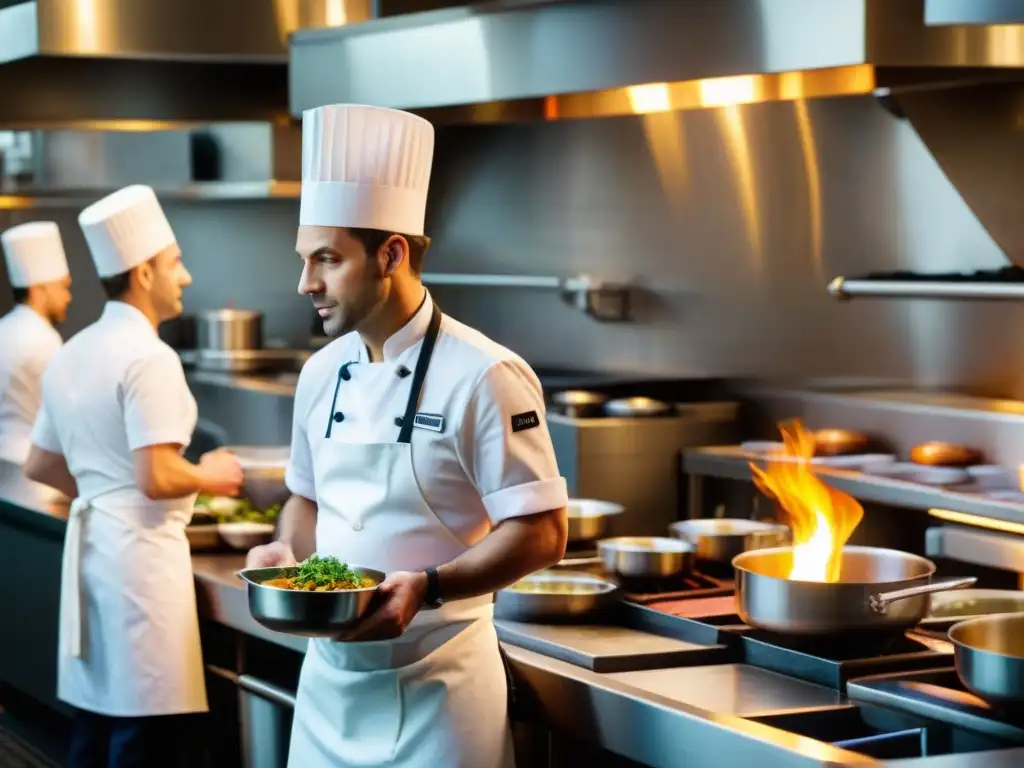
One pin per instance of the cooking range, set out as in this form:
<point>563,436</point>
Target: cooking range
<point>897,695</point>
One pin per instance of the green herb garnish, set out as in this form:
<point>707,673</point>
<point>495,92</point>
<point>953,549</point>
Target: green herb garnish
<point>326,571</point>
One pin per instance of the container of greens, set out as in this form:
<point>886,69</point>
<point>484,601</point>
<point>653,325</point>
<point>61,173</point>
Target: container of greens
<point>320,597</point>
<point>238,522</point>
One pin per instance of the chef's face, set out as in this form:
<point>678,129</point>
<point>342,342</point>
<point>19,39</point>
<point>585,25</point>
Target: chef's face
<point>56,297</point>
<point>166,277</point>
<point>346,284</point>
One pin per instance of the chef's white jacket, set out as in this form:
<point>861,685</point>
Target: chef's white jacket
<point>27,344</point>
<point>487,458</point>
<point>115,387</point>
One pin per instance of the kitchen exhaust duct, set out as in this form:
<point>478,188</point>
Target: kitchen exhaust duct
<point>144,64</point>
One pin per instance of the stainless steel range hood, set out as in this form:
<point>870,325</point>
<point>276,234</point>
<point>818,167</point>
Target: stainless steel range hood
<point>549,59</point>
<point>118,64</point>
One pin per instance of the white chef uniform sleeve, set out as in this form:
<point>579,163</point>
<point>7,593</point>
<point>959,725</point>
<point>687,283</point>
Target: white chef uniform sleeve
<point>506,446</point>
<point>44,432</point>
<point>299,475</point>
<point>156,401</point>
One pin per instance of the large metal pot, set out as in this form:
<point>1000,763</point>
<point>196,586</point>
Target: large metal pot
<point>589,518</point>
<point>879,590</point>
<point>229,329</point>
<point>989,654</point>
<point>719,540</point>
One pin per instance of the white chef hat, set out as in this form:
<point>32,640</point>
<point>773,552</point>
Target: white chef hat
<point>366,167</point>
<point>125,229</point>
<point>34,254</point>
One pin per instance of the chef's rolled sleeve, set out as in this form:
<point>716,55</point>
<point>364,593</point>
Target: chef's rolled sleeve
<point>44,432</point>
<point>157,402</point>
<point>507,446</point>
<point>298,477</point>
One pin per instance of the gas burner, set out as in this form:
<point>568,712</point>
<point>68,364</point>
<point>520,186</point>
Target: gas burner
<point>938,695</point>
<point>831,661</point>
<point>654,591</point>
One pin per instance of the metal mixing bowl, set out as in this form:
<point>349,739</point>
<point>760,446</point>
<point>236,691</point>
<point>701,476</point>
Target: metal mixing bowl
<point>302,613</point>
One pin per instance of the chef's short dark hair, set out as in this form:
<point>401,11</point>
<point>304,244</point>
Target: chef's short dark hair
<point>116,286</point>
<point>20,295</point>
<point>373,239</point>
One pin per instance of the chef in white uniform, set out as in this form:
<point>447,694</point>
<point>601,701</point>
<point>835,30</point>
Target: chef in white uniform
<point>419,448</point>
<point>115,417</point>
<point>38,272</point>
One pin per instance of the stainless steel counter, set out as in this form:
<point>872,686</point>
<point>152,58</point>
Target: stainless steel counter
<point>665,718</point>
<point>731,463</point>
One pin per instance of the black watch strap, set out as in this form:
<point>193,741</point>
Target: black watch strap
<point>433,597</point>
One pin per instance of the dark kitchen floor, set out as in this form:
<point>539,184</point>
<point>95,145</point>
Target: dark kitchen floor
<point>31,736</point>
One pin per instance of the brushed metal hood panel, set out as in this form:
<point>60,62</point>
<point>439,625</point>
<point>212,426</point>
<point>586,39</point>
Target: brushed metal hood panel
<point>82,64</point>
<point>515,50</point>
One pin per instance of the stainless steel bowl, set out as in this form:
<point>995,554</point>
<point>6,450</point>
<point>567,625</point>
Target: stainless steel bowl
<point>720,540</point>
<point>989,656</point>
<point>263,470</point>
<point>589,519</point>
<point>578,403</point>
<point>229,329</point>
<point>646,556</point>
<point>554,596</point>
<point>202,537</point>
<point>306,614</point>
<point>637,407</point>
<point>973,603</point>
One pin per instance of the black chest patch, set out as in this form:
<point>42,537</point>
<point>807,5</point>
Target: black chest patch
<point>522,421</point>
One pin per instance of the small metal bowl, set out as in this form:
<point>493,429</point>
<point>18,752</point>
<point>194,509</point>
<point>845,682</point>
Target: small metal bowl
<point>552,596</point>
<point>720,540</point>
<point>578,403</point>
<point>306,614</point>
<point>637,407</point>
<point>643,557</point>
<point>589,519</point>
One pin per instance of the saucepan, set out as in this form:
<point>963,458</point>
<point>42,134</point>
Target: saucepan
<point>880,590</point>
<point>646,557</point>
<point>954,607</point>
<point>551,596</point>
<point>589,518</point>
<point>719,540</point>
<point>989,654</point>
<point>306,613</point>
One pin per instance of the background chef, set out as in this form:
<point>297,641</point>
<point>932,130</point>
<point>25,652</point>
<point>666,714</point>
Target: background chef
<point>419,448</point>
<point>116,414</point>
<point>38,272</point>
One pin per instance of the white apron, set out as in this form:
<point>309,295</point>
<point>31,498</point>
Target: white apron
<point>433,698</point>
<point>129,629</point>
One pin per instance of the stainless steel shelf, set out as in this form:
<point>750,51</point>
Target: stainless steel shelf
<point>841,288</point>
<point>733,464</point>
<point>17,199</point>
<point>602,301</point>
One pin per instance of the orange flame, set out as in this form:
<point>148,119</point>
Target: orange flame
<point>822,518</point>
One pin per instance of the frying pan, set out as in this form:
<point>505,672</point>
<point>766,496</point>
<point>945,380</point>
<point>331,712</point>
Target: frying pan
<point>989,654</point>
<point>880,590</point>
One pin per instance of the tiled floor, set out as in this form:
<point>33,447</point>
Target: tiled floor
<point>14,753</point>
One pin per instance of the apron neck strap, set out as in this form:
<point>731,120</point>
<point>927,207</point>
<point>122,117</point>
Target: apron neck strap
<point>426,352</point>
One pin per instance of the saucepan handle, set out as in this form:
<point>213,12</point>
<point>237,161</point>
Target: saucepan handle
<point>880,602</point>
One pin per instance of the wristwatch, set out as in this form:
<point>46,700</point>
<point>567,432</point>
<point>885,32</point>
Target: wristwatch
<point>433,597</point>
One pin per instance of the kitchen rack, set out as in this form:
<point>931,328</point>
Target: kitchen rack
<point>604,301</point>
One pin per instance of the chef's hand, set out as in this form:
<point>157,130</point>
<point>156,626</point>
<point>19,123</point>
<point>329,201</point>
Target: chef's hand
<point>398,599</point>
<point>222,473</point>
<point>276,554</point>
